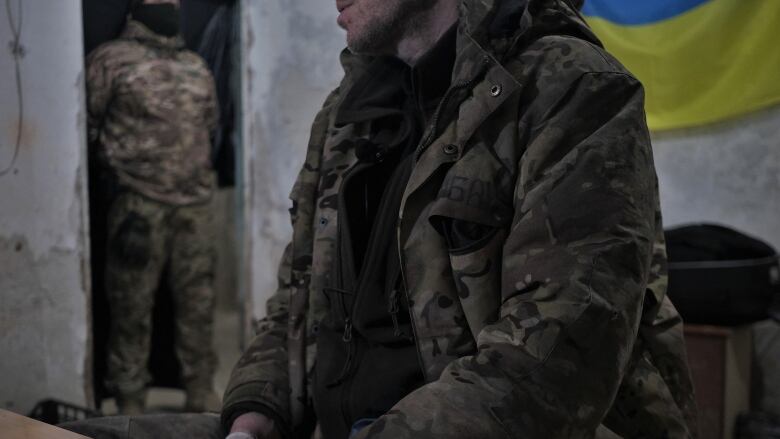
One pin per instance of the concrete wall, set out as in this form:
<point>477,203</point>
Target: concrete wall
<point>44,271</point>
<point>728,173</point>
<point>290,63</point>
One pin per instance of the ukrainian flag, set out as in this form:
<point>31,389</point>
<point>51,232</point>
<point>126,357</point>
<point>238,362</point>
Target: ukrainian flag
<point>701,61</point>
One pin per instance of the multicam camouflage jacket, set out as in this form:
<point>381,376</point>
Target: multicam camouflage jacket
<point>152,105</point>
<point>555,324</point>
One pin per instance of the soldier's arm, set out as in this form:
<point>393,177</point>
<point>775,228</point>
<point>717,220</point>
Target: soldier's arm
<point>259,381</point>
<point>574,272</point>
<point>100,70</point>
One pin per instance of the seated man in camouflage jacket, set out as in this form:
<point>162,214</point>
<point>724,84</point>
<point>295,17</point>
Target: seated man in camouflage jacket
<point>477,248</point>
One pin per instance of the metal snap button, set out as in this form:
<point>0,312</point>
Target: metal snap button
<point>450,148</point>
<point>495,90</point>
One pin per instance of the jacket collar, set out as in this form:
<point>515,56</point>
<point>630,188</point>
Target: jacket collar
<point>430,76</point>
<point>385,82</point>
<point>135,30</point>
<point>489,32</point>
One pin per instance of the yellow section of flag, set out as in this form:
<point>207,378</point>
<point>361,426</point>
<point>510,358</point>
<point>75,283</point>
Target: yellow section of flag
<point>716,61</point>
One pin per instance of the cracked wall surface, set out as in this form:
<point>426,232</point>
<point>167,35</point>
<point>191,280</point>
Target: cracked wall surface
<point>44,260</point>
<point>290,63</point>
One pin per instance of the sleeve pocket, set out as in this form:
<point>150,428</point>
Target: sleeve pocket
<point>475,252</point>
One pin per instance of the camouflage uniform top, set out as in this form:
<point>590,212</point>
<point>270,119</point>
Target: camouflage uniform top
<point>152,104</point>
<point>556,322</point>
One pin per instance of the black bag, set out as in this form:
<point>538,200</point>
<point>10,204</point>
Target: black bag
<point>719,276</point>
<point>758,425</point>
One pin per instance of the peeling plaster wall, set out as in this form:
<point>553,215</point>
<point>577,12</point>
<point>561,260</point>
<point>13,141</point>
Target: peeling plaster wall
<point>290,63</point>
<point>44,271</point>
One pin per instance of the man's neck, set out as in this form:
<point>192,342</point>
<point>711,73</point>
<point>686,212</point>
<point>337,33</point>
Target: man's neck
<point>427,30</point>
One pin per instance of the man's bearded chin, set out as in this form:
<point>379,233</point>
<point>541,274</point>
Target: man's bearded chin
<point>381,33</point>
<point>377,37</point>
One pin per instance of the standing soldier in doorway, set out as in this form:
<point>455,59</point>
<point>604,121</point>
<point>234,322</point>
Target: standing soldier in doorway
<point>152,104</point>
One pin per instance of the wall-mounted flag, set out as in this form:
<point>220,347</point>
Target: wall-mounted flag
<point>701,61</point>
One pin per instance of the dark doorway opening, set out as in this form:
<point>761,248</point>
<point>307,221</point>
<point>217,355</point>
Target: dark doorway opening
<point>210,28</point>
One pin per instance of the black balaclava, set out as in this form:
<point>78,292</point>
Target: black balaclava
<point>160,18</point>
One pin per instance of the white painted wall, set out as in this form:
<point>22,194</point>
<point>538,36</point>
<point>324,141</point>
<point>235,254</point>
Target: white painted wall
<point>290,63</point>
<point>44,268</point>
<point>727,173</point>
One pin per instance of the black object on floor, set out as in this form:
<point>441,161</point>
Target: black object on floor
<point>53,411</point>
<point>720,276</point>
<point>758,425</point>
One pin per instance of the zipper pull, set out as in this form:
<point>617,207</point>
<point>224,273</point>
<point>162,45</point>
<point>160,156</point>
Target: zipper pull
<point>393,308</point>
<point>347,336</point>
<point>346,370</point>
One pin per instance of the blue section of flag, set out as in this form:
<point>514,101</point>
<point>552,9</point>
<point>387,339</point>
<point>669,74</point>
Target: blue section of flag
<point>636,12</point>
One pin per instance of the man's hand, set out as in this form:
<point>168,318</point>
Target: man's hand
<point>255,424</point>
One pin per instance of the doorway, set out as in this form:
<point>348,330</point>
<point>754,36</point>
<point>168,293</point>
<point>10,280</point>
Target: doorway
<point>211,29</point>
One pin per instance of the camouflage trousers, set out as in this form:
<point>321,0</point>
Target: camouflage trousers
<point>144,238</point>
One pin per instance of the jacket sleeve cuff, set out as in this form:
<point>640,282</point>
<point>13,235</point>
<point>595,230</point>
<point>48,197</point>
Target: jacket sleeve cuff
<point>230,415</point>
<point>249,398</point>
